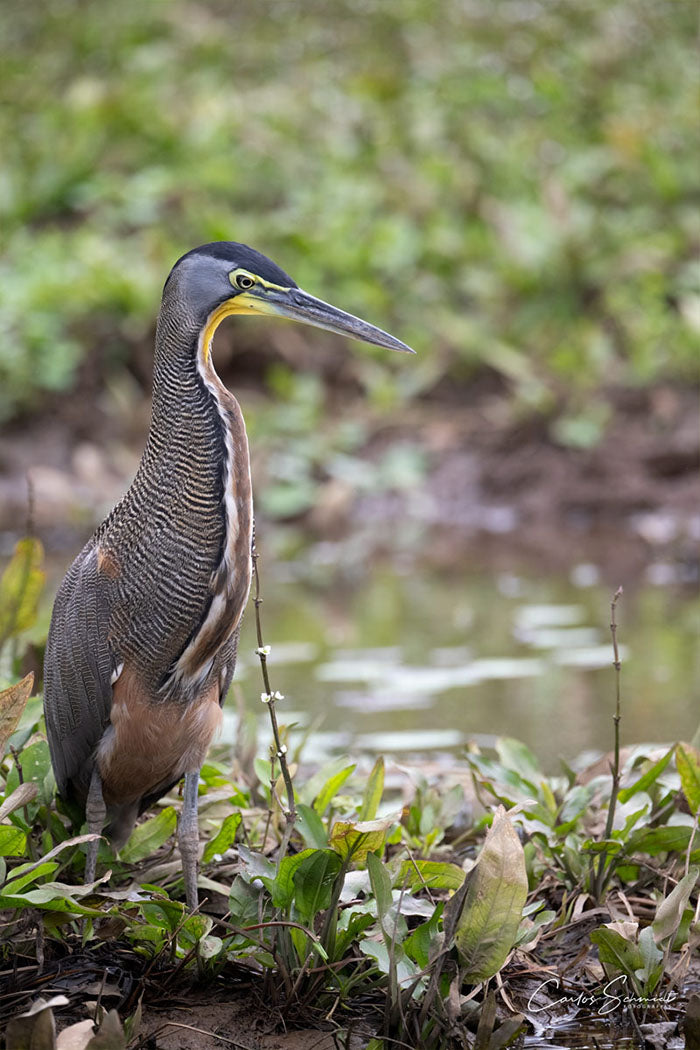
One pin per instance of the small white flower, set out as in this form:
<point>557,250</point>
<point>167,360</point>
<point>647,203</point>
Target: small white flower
<point>265,697</point>
<point>263,650</point>
<point>277,695</point>
<point>282,751</point>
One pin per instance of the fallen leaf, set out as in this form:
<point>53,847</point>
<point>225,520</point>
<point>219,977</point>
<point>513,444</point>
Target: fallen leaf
<point>20,797</point>
<point>110,1036</point>
<point>76,1037</point>
<point>12,703</point>
<point>35,1028</point>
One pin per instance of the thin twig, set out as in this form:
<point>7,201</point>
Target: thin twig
<point>280,752</point>
<point>615,787</point>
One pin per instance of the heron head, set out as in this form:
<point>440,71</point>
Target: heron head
<point>224,278</point>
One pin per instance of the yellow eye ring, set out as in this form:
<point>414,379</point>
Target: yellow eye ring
<point>244,282</point>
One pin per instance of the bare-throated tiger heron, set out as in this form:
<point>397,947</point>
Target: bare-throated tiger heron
<point>143,638</point>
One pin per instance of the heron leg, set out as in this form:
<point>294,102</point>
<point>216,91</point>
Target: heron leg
<point>189,838</point>
<point>96,815</point>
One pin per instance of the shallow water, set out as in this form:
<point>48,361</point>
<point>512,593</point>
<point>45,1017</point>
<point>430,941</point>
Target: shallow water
<point>406,662</point>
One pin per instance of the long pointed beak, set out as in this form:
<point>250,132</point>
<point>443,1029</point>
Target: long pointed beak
<point>300,306</point>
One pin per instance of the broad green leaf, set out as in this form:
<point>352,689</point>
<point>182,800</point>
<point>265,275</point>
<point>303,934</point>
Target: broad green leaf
<point>257,866</point>
<point>163,913</point>
<point>670,911</point>
<point>347,935</point>
<point>313,881</point>
<point>647,779</point>
<point>529,927</point>
<point>282,887</point>
<point>12,703</point>
<point>633,818</point>
<point>53,896</point>
<point>19,881</point>
<point>224,838</point>
<point>243,902</point>
<point>310,827</point>
<point>146,838</point>
<point>496,894</point>
<point>13,841</point>
<point>36,769</point>
<point>263,771</point>
<point>406,969</point>
<point>688,765</point>
<point>309,790</point>
<point>356,839</point>
<point>421,944</point>
<point>430,874</point>
<point>373,792</point>
<point>652,961</point>
<point>616,951</point>
<point>193,930</point>
<point>517,756</point>
<point>20,588</point>
<point>330,789</point>
<point>671,838</point>
<point>380,880</point>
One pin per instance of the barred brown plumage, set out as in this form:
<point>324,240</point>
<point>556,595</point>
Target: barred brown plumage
<point>144,632</point>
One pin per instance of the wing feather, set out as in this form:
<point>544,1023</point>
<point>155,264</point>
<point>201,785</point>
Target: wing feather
<point>78,669</point>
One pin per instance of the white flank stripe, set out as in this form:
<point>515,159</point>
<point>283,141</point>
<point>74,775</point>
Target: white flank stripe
<point>182,671</point>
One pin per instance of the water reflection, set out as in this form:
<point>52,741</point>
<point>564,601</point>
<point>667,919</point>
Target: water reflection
<point>417,662</point>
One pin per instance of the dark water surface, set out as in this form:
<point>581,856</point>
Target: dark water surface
<point>406,661</point>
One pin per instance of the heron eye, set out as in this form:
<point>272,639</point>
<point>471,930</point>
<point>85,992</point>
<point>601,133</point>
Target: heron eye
<point>244,282</point>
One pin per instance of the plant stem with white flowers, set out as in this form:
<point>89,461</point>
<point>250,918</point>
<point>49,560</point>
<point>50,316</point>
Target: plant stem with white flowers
<point>270,697</point>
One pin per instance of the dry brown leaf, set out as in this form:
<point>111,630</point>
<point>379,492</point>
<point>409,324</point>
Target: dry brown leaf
<point>20,797</point>
<point>34,1028</point>
<point>12,704</point>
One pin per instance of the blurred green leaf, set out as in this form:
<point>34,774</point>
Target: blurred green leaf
<point>313,882</point>
<point>282,887</point>
<point>688,764</point>
<point>21,585</point>
<point>311,827</point>
<point>373,792</point>
<point>670,911</point>
<point>381,885</point>
<point>430,874</point>
<point>13,841</point>
<point>36,769</point>
<point>355,839</point>
<point>19,881</point>
<point>224,838</point>
<point>146,838</point>
<point>647,779</point>
<point>330,789</point>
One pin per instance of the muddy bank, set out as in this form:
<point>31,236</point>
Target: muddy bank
<point>491,486</point>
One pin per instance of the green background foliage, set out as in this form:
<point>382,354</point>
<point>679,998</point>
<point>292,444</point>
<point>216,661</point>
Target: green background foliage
<point>510,184</point>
